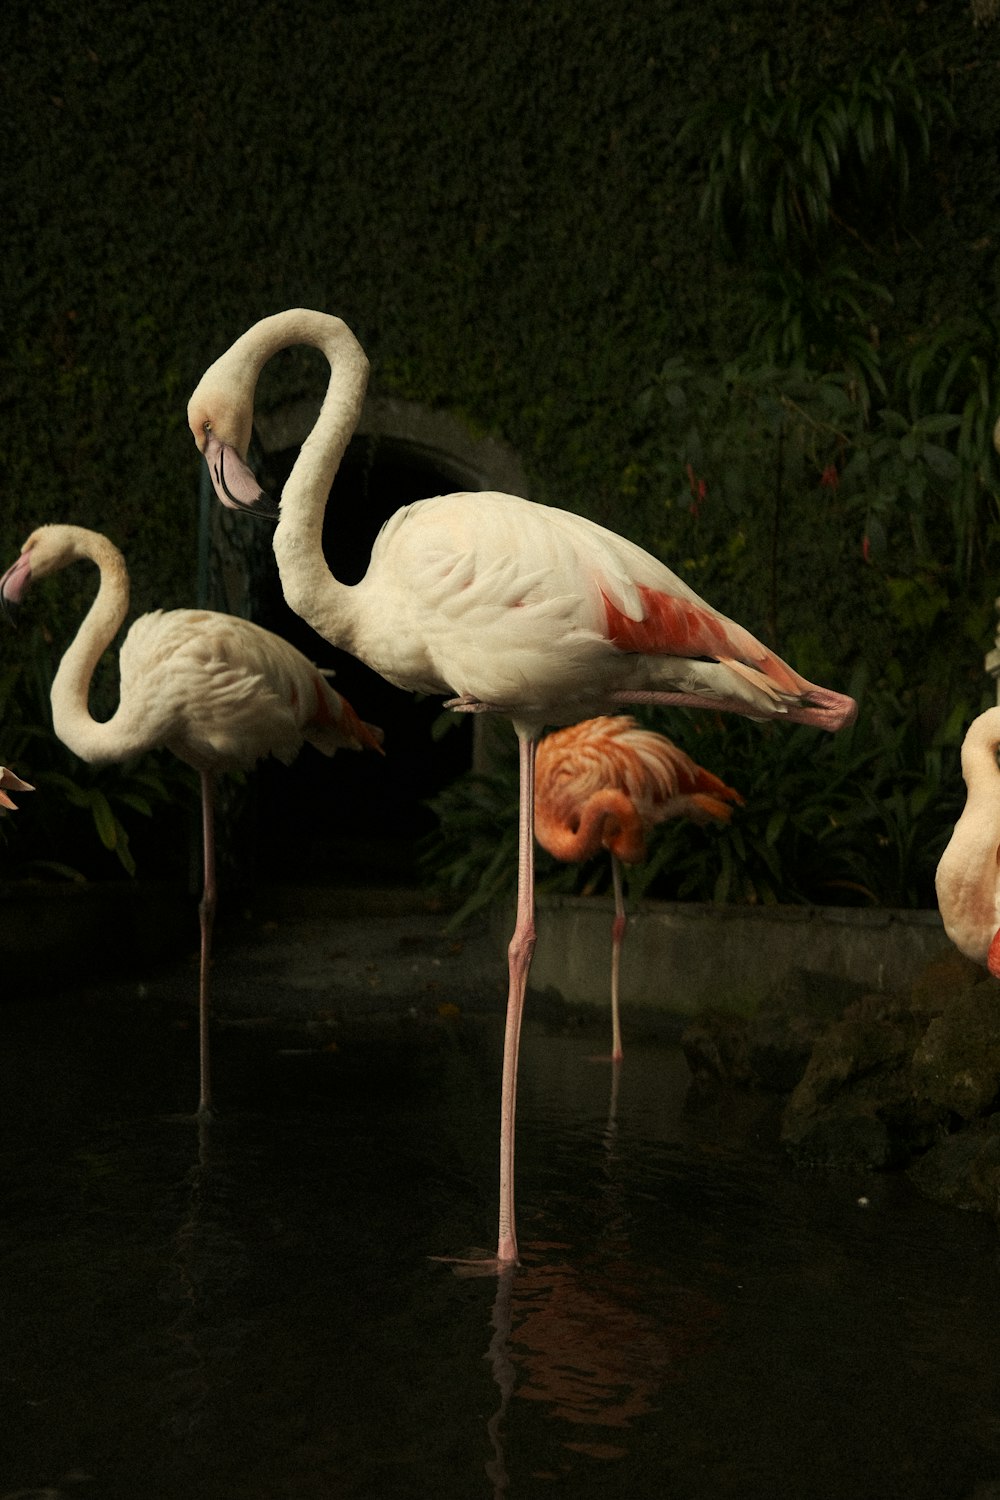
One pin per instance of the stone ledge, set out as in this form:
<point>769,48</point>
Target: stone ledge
<point>685,957</point>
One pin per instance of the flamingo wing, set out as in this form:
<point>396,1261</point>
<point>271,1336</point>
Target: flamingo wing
<point>549,617</point>
<point>222,693</point>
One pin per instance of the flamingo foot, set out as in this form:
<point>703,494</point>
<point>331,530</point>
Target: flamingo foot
<point>466,704</point>
<point>198,1117</point>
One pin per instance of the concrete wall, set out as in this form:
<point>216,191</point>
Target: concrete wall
<point>681,958</point>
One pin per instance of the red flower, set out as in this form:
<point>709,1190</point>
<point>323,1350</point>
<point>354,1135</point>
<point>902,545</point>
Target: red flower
<point>866,548</point>
<point>829,479</point>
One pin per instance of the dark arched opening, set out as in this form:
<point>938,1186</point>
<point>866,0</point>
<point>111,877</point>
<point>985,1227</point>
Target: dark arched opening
<point>357,814</point>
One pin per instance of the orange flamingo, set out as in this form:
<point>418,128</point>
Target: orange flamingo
<point>604,784</point>
<point>968,874</point>
<point>506,606</point>
<point>217,691</point>
<point>11,783</point>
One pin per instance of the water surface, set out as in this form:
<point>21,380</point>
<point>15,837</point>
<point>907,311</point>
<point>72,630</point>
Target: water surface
<point>251,1312</point>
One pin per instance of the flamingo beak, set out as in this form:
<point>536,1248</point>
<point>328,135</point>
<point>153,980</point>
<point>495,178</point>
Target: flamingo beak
<point>234,481</point>
<point>14,585</point>
<point>12,783</point>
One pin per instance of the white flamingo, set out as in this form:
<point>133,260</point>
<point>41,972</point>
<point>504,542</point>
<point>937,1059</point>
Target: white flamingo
<point>508,606</point>
<point>217,691</point>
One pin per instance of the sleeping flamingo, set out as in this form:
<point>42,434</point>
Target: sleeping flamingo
<point>11,783</point>
<point>604,784</point>
<point>217,691</point>
<point>507,606</point>
<point>968,873</point>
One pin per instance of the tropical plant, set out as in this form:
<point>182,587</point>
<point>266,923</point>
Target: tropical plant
<point>787,503</point>
<point>790,183</point>
<point>797,159</point>
<point>948,379</point>
<point>823,320</point>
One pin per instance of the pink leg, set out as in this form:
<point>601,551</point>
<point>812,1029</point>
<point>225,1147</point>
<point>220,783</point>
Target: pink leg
<point>206,911</point>
<point>522,946</point>
<point>618,926</point>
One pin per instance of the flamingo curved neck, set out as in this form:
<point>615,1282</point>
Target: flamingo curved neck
<point>71,716</point>
<point>310,589</point>
<point>607,821</point>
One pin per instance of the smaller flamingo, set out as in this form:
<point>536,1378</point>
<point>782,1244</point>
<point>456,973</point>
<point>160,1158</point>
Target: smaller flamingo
<point>968,873</point>
<point>217,691</point>
<point>603,784</point>
<point>11,783</point>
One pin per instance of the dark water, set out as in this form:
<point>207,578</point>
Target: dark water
<point>252,1312</point>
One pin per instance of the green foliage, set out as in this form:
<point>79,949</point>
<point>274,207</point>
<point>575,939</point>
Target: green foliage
<point>887,519</point>
<point>820,321</point>
<point>794,175</point>
<point>949,382</point>
<point>793,160</point>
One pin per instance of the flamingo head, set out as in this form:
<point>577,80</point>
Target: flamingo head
<point>221,431</point>
<point>46,550</point>
<point>14,585</point>
<point>49,549</point>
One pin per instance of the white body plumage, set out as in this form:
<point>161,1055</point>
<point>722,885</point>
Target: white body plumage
<point>968,873</point>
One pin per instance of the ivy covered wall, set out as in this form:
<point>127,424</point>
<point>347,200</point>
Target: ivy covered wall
<point>495,199</point>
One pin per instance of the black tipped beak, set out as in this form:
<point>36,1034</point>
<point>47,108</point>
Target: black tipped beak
<point>234,481</point>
